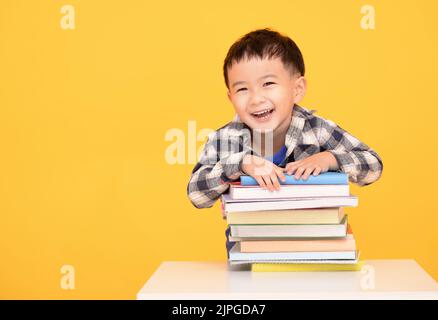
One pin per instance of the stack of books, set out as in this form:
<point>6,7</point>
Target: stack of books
<point>301,227</point>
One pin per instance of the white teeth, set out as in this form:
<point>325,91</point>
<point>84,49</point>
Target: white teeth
<point>261,112</point>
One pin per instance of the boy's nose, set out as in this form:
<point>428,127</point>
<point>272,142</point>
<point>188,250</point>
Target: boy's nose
<point>256,99</point>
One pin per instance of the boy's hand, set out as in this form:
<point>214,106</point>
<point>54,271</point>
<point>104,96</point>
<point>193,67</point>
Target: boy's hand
<point>264,171</point>
<point>317,163</point>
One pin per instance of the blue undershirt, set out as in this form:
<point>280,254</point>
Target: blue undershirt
<point>279,156</point>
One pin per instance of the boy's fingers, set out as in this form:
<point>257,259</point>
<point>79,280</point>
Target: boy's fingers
<point>260,181</point>
<point>291,169</point>
<point>307,172</point>
<point>291,165</point>
<point>268,182</point>
<point>274,180</point>
<point>299,172</point>
<point>317,171</point>
<point>280,174</point>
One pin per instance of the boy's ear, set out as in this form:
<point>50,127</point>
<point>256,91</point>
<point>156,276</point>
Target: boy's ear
<point>300,89</point>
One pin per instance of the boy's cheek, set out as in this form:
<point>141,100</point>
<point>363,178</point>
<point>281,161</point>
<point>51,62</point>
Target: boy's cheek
<point>241,113</point>
<point>239,104</point>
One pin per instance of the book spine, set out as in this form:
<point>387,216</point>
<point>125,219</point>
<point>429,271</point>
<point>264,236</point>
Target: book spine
<point>282,267</point>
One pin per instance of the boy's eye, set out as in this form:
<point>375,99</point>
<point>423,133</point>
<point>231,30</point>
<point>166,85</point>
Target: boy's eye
<point>266,83</point>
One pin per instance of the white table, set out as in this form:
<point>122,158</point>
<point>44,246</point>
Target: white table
<point>378,279</point>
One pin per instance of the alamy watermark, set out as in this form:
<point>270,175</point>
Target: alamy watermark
<point>68,19</point>
<point>68,277</point>
<point>225,142</point>
<point>368,20</point>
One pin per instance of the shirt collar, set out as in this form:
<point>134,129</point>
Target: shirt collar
<point>295,128</point>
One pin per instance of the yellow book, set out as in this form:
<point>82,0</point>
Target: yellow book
<point>305,267</point>
<point>295,216</point>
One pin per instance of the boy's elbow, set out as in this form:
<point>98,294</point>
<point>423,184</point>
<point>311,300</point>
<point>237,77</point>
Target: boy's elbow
<point>372,175</point>
<point>198,198</point>
<point>199,201</point>
<point>370,178</point>
<point>202,195</point>
<point>194,195</point>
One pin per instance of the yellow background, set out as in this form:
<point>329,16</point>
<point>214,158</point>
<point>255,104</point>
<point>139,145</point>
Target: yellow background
<point>83,114</point>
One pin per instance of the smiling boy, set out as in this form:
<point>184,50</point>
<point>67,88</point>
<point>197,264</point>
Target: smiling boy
<point>271,134</point>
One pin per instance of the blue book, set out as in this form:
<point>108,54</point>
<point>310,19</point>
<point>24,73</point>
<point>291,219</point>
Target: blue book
<point>322,178</point>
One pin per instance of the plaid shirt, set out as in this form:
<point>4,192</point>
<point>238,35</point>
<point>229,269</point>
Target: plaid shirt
<point>220,161</point>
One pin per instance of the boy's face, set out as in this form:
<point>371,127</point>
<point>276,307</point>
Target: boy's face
<point>263,93</point>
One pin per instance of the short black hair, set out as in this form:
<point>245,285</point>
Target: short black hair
<point>265,43</point>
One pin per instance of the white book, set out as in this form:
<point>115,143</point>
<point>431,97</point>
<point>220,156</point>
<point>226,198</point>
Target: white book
<point>319,261</point>
<point>290,230</point>
<point>233,205</point>
<point>236,239</point>
<point>289,191</point>
<point>235,254</point>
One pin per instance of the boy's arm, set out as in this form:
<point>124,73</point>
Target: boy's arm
<point>363,165</point>
<point>210,177</point>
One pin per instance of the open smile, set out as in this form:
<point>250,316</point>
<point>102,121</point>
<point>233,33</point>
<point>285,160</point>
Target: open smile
<point>263,115</point>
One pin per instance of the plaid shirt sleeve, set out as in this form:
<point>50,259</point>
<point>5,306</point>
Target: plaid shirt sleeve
<point>363,165</point>
<point>216,168</point>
